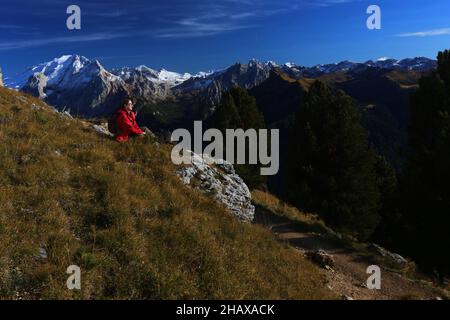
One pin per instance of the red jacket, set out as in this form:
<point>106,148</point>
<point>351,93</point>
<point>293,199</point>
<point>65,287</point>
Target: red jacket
<point>126,125</point>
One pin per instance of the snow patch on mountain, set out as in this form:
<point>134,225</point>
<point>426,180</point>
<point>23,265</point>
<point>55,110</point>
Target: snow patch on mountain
<point>67,71</point>
<point>161,77</point>
<point>54,70</point>
<point>172,77</point>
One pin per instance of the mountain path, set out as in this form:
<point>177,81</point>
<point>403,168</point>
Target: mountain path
<point>348,277</point>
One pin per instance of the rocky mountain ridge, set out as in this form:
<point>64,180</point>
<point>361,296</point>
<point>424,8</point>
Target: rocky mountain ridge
<point>60,80</point>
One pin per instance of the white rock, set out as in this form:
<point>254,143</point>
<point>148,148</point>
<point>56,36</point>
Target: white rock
<point>221,181</point>
<point>102,130</point>
<point>64,114</point>
<point>385,253</point>
<point>43,253</point>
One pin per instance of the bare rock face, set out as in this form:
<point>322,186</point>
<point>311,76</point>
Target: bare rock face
<point>221,181</point>
<point>36,85</point>
<point>95,92</point>
<point>145,83</point>
<point>211,87</point>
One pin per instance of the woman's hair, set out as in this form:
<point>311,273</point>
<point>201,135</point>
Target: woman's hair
<point>125,102</point>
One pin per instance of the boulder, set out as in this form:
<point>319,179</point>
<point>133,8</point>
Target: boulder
<point>102,130</point>
<point>322,258</point>
<point>221,181</point>
<point>395,257</point>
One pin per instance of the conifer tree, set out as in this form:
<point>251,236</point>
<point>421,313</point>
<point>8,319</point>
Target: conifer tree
<point>389,228</point>
<point>426,180</point>
<point>332,169</point>
<point>238,110</point>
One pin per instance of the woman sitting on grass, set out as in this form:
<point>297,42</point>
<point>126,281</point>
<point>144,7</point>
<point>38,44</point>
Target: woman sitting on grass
<point>126,125</point>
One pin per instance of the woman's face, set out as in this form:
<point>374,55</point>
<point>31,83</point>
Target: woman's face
<point>129,106</point>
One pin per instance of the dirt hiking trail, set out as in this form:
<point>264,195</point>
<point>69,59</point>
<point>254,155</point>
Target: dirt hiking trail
<point>347,277</point>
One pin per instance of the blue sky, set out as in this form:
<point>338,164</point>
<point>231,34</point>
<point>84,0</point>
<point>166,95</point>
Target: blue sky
<point>200,35</point>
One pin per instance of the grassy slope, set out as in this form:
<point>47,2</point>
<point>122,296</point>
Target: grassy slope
<point>119,212</point>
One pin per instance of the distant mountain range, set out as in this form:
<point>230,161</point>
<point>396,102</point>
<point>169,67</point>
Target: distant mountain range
<point>86,88</point>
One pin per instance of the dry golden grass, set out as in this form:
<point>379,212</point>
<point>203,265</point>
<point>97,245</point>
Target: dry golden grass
<point>308,221</point>
<point>406,79</point>
<point>305,83</point>
<point>119,212</point>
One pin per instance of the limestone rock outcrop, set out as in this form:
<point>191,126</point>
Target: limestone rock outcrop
<point>221,181</point>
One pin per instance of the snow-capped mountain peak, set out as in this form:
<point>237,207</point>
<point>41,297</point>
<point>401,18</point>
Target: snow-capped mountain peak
<point>290,65</point>
<point>203,74</point>
<point>173,78</point>
<point>58,70</point>
<point>161,77</point>
<point>271,64</point>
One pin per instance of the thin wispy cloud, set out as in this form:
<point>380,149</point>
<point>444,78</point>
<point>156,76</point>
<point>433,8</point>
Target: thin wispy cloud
<point>10,27</point>
<point>428,33</point>
<point>327,3</point>
<point>207,19</point>
<point>199,30</point>
<point>212,22</point>
<point>20,44</point>
<point>108,14</point>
